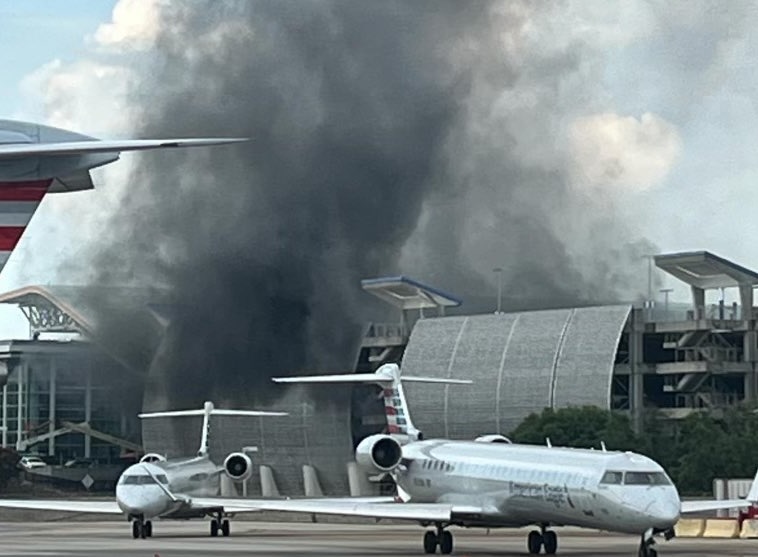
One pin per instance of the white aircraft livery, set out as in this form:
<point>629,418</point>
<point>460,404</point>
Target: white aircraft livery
<point>159,488</point>
<point>36,160</point>
<point>491,482</point>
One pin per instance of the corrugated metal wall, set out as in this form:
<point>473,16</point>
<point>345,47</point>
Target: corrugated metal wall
<point>520,363</point>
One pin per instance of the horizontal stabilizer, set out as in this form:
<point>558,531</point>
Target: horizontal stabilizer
<point>64,148</point>
<point>367,378</point>
<point>214,412</point>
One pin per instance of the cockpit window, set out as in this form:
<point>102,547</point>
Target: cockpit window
<point>141,479</point>
<point>646,478</point>
<point>162,478</point>
<point>612,478</point>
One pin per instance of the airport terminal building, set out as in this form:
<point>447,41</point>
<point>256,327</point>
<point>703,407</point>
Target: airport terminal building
<point>58,400</point>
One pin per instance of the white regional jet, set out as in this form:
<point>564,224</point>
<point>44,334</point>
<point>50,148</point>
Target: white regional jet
<point>36,160</point>
<point>491,482</point>
<point>167,489</point>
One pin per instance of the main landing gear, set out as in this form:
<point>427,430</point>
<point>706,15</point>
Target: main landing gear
<point>542,538</point>
<point>440,537</point>
<point>141,528</point>
<point>646,545</point>
<point>220,524</point>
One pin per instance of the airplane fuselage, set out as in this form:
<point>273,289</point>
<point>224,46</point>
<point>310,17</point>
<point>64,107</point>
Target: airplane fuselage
<point>163,489</point>
<point>517,485</point>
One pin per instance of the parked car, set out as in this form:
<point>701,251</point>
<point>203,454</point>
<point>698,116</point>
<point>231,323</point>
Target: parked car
<point>29,462</point>
<point>79,463</point>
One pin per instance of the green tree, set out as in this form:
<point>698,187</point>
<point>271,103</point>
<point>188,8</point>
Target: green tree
<point>586,426</point>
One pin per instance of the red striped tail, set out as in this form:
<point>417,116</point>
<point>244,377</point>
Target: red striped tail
<point>18,202</point>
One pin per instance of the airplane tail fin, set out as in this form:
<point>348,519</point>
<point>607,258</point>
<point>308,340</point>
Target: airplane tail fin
<point>206,412</point>
<point>390,379</point>
<point>18,203</point>
<point>752,495</point>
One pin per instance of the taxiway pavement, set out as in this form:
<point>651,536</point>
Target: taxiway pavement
<point>176,539</point>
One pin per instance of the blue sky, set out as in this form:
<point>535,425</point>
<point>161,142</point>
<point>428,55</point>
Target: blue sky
<point>34,32</point>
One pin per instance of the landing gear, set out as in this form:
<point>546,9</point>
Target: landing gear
<point>543,538</point>
<point>220,524</point>
<point>141,528</point>
<point>441,537</point>
<point>646,545</point>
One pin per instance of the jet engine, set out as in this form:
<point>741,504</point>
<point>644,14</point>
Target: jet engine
<point>153,457</point>
<point>238,466</point>
<point>493,438</point>
<point>378,453</point>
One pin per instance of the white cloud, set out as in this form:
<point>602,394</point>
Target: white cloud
<point>612,151</point>
<point>134,25</point>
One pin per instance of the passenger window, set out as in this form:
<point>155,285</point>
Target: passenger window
<point>612,478</point>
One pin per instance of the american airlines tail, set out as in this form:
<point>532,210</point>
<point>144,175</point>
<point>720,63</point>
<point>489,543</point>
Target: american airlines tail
<point>390,379</point>
<point>206,412</point>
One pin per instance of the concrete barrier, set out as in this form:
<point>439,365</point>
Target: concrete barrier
<point>749,528</point>
<point>721,528</point>
<point>690,527</point>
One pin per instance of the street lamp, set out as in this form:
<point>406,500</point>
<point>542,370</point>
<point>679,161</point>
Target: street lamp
<point>666,292</point>
<point>499,272</point>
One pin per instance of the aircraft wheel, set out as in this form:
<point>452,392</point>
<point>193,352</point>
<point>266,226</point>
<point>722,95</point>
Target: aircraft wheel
<point>148,529</point>
<point>135,529</point>
<point>534,542</point>
<point>446,542</point>
<point>550,541</point>
<point>225,528</point>
<point>214,528</point>
<point>430,542</point>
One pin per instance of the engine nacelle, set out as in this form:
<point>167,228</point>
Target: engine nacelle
<point>493,438</point>
<point>238,467</point>
<point>153,457</point>
<point>378,453</point>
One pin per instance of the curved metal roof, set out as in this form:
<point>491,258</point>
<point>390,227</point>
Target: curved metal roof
<point>520,363</point>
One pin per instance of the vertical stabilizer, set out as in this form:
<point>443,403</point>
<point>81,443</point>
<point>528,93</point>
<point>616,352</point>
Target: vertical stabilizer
<point>207,411</point>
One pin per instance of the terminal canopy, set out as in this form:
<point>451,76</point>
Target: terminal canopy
<point>705,270</point>
<point>405,293</point>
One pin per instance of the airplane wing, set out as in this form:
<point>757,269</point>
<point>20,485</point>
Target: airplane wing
<point>18,150</point>
<point>716,505</point>
<point>66,505</point>
<point>347,506</point>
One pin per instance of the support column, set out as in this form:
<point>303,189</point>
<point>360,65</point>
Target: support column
<point>698,301</point>
<point>20,403</point>
<point>746,300</point>
<point>636,382</point>
<point>88,409</point>
<point>51,406</point>
<point>5,415</point>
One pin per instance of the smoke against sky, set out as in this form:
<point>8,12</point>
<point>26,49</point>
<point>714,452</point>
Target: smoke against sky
<point>387,137</point>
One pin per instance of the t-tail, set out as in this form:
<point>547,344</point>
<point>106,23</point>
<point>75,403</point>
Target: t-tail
<point>206,412</point>
<point>390,379</point>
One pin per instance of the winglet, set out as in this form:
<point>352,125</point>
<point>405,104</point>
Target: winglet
<point>752,495</point>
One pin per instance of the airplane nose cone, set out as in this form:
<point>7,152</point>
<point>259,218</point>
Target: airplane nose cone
<point>140,501</point>
<point>665,513</point>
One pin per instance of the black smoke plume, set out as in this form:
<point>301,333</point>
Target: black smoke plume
<point>373,151</point>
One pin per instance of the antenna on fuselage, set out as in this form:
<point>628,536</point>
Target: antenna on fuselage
<point>548,443</point>
<point>602,446</point>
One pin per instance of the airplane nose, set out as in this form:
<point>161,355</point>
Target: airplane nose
<point>665,513</point>
<point>144,502</point>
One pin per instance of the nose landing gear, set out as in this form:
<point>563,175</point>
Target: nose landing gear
<point>542,538</point>
<point>141,528</point>
<point>220,524</point>
<point>441,537</point>
<point>646,545</point>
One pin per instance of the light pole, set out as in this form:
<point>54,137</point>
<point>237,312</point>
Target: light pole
<point>499,272</point>
<point>666,292</point>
